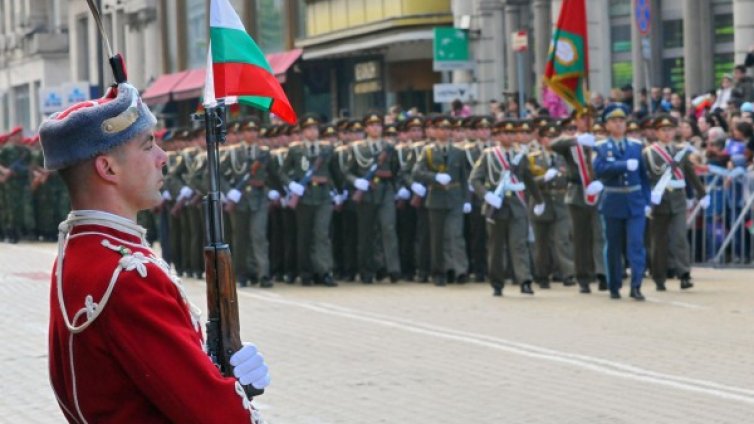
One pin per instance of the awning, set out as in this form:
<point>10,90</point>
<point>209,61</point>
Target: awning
<point>358,45</point>
<point>189,84</point>
<point>281,62</point>
<point>160,90</point>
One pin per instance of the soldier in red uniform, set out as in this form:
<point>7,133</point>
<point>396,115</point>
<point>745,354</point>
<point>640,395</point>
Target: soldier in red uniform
<point>125,344</point>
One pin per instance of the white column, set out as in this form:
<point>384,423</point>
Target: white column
<point>743,28</point>
<point>491,53</point>
<point>541,36</point>
<point>33,106</point>
<point>512,23</point>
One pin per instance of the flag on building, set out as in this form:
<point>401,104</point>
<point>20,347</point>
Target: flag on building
<point>237,68</point>
<point>567,68</point>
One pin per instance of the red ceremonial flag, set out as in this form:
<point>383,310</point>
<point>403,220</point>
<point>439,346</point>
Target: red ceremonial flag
<point>567,68</point>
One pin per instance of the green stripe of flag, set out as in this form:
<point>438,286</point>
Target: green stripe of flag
<point>235,46</point>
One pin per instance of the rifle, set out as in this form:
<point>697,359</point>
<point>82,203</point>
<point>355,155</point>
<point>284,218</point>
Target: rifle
<point>384,154</point>
<point>40,177</point>
<point>293,201</point>
<point>505,183</point>
<point>223,327</point>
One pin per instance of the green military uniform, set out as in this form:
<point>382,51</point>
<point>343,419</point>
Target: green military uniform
<point>406,217</point>
<point>444,202</point>
<point>589,240</point>
<point>171,191</point>
<point>552,229</point>
<point>668,223</point>
<point>377,162</point>
<point>282,226</point>
<point>507,227</point>
<point>16,159</point>
<point>314,210</point>
<point>346,236</point>
<point>477,233</point>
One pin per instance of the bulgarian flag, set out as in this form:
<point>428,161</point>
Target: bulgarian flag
<point>237,69</point>
<point>567,68</point>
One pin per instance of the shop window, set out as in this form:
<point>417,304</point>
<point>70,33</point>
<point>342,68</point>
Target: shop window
<point>672,73</point>
<point>619,8</point>
<point>623,73</point>
<point>723,25</point>
<point>672,34</point>
<point>620,38</point>
<point>271,25</point>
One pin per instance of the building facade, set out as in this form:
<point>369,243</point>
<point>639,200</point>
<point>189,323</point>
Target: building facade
<point>33,55</point>
<point>361,55</point>
<point>691,43</point>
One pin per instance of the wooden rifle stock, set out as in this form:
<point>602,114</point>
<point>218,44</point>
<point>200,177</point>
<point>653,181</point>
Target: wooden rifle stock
<point>223,326</point>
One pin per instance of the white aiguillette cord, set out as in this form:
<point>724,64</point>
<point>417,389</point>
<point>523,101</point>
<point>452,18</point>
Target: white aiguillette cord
<point>89,217</point>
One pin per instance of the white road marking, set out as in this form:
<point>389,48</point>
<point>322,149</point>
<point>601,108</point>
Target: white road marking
<point>598,365</point>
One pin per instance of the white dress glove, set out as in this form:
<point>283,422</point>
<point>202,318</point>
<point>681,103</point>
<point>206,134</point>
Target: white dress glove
<point>442,178</point>
<point>648,211</point>
<point>403,193</point>
<point>690,204</point>
<point>419,189</point>
<point>655,198</point>
<point>539,209</point>
<point>273,195</point>
<point>166,195</point>
<point>249,367</point>
<point>361,184</point>
<point>586,139</point>
<point>550,174</point>
<point>467,207</point>
<point>595,187</point>
<point>632,164</point>
<point>296,188</point>
<point>493,200</point>
<point>234,195</point>
<point>185,192</point>
<point>705,201</point>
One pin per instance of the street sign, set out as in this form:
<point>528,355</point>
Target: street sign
<point>447,93</point>
<point>643,13</point>
<point>451,49</point>
<point>519,41</point>
<point>58,98</point>
<point>646,48</point>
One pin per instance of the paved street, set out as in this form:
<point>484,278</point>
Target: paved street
<point>413,353</point>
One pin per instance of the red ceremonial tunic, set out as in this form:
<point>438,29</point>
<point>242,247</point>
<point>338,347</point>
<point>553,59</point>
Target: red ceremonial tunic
<point>141,358</point>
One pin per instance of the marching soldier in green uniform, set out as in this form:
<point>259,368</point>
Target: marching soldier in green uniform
<point>282,219</point>
<point>442,169</point>
<point>308,174</point>
<point>502,178</point>
<point>372,175</point>
<point>669,170</point>
<point>477,233</point>
<point>346,228</point>
<point>552,229</point>
<point>406,219</point>
<point>15,161</point>
<point>581,197</point>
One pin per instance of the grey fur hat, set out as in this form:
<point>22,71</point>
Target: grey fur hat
<point>92,127</point>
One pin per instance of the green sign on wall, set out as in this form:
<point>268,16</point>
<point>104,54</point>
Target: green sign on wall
<point>451,49</point>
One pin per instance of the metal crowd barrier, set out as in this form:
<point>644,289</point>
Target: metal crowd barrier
<point>721,235</point>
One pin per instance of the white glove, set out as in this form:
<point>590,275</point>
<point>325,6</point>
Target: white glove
<point>296,188</point>
<point>234,195</point>
<point>595,187</point>
<point>539,209</point>
<point>185,192</point>
<point>166,195</point>
<point>419,189</point>
<point>361,184</point>
<point>273,195</point>
<point>705,201</point>
<point>586,139</point>
<point>493,200</point>
<point>442,178</point>
<point>467,207</point>
<point>403,193</point>
<point>648,211</point>
<point>249,367</point>
<point>550,174</point>
<point>655,198</point>
<point>471,188</point>
<point>690,204</point>
<point>337,199</point>
<point>632,164</point>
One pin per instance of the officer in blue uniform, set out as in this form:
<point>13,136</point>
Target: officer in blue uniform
<point>624,202</point>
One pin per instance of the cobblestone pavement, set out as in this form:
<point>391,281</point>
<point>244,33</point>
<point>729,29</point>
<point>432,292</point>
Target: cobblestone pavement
<point>415,353</point>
